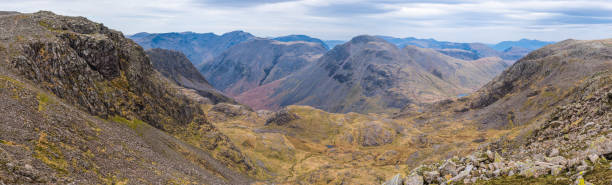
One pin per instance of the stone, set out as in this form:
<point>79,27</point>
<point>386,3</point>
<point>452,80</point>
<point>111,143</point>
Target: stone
<point>534,171</point>
<point>558,160</point>
<point>593,158</point>
<point>463,174</point>
<point>490,155</point>
<point>448,168</point>
<point>431,176</point>
<point>414,179</point>
<point>28,167</point>
<point>554,152</point>
<point>396,180</point>
<point>556,170</point>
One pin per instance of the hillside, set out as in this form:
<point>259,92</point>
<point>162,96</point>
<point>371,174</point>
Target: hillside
<point>81,103</point>
<point>258,62</point>
<point>200,48</point>
<point>368,74</point>
<point>556,103</point>
<point>176,67</point>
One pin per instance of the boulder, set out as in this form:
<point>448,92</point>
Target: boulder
<point>558,160</point>
<point>396,180</point>
<point>594,158</point>
<point>463,174</point>
<point>431,176</point>
<point>553,153</point>
<point>414,179</point>
<point>556,169</point>
<point>448,168</point>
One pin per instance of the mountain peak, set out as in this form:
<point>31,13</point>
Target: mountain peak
<point>365,38</point>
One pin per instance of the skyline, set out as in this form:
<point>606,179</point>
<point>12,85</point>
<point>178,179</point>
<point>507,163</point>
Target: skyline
<point>445,20</point>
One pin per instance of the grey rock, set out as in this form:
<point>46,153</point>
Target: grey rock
<point>448,168</point>
<point>490,155</point>
<point>396,180</point>
<point>556,170</point>
<point>558,160</point>
<point>431,176</point>
<point>414,179</point>
<point>463,174</point>
<point>593,158</point>
<point>554,152</point>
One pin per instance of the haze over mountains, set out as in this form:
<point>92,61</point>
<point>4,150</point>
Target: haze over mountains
<point>81,103</point>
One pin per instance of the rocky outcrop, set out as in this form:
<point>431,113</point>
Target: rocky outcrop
<point>176,67</point>
<point>106,75</point>
<point>282,117</point>
<point>375,134</point>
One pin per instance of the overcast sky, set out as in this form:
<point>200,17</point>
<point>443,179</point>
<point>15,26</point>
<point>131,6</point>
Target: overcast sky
<point>450,20</point>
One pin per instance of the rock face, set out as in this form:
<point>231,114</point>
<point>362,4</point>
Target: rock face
<point>542,79</point>
<point>176,67</point>
<point>258,62</point>
<point>200,48</point>
<point>369,74</point>
<point>282,117</point>
<point>100,72</point>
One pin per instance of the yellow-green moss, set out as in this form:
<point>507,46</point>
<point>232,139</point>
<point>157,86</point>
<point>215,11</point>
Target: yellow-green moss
<point>134,124</point>
<point>50,154</point>
<point>43,101</point>
<point>545,180</point>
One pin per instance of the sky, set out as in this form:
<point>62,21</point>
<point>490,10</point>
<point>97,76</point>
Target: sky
<point>486,21</point>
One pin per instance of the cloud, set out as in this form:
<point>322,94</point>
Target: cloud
<point>453,20</point>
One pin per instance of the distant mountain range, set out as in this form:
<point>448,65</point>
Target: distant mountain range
<point>509,50</point>
<point>198,47</point>
<point>270,73</point>
<point>369,74</point>
<point>523,43</point>
<point>201,48</point>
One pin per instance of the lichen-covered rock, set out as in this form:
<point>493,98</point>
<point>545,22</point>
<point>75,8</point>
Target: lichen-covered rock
<point>413,179</point>
<point>448,168</point>
<point>282,117</point>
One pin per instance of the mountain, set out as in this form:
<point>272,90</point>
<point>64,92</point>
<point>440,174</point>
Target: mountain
<point>333,43</point>
<point>554,105</point>
<point>523,43</point>
<point>368,74</point>
<point>200,48</point>
<point>176,67</point>
<point>465,51</point>
<point>258,62</point>
<point>83,104</point>
<point>292,38</point>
